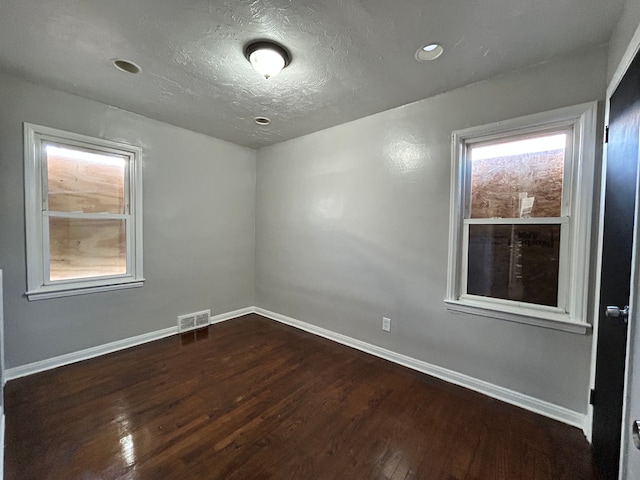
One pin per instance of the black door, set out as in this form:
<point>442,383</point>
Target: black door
<point>620,193</point>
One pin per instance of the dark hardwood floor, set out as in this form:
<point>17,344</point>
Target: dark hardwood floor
<point>253,399</point>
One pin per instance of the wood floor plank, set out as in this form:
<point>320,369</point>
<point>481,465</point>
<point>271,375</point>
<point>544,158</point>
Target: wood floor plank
<point>251,399</point>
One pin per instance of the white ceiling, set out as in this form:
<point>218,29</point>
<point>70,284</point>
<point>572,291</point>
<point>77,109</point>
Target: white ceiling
<point>351,58</point>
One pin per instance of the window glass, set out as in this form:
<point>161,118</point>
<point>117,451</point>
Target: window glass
<point>514,262</point>
<point>82,248</point>
<point>518,179</point>
<point>521,211</point>
<point>79,181</point>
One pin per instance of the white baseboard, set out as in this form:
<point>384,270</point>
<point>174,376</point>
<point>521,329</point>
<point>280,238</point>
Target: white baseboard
<point>588,424</point>
<point>527,402</point>
<point>86,354</point>
<point>518,399</point>
<point>231,315</point>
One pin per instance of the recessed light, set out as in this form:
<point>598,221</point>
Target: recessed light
<point>262,121</point>
<point>429,52</point>
<point>267,58</point>
<point>126,66</point>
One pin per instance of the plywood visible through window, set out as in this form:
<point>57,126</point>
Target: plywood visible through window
<point>85,183</point>
<point>85,248</point>
<point>79,181</point>
<point>518,179</point>
<point>84,213</point>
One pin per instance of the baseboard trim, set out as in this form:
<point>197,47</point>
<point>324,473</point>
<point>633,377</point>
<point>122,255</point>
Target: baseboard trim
<point>223,317</point>
<point>86,354</point>
<point>588,424</point>
<point>518,399</point>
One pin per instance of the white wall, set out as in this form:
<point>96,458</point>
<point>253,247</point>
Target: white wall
<point>199,227</point>
<point>352,224</point>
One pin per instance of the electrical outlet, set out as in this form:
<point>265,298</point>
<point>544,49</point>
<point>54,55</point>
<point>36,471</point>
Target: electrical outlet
<point>386,324</point>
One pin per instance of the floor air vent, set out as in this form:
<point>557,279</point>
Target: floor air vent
<point>192,321</point>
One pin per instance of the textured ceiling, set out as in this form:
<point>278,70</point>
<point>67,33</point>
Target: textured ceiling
<point>350,58</point>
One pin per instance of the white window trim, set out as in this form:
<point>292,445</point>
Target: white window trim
<point>37,286</point>
<point>583,119</point>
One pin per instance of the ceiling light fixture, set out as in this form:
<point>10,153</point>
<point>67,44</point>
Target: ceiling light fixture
<point>126,66</point>
<point>429,52</point>
<point>267,58</point>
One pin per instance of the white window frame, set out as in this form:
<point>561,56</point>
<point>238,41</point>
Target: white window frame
<point>37,216</point>
<point>571,313</point>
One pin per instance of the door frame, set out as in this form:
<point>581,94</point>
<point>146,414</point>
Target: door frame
<point>633,48</point>
<point>634,303</point>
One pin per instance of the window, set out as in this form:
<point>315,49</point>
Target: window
<point>83,200</point>
<point>521,203</point>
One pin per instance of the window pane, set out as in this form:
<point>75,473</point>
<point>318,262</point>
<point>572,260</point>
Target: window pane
<point>514,262</point>
<point>81,248</point>
<point>79,181</point>
<point>518,179</point>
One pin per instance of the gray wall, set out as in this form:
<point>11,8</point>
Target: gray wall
<point>622,35</point>
<point>352,224</point>
<point>199,227</point>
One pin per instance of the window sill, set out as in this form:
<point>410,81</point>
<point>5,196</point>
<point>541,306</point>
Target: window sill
<point>550,320</point>
<point>45,294</point>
